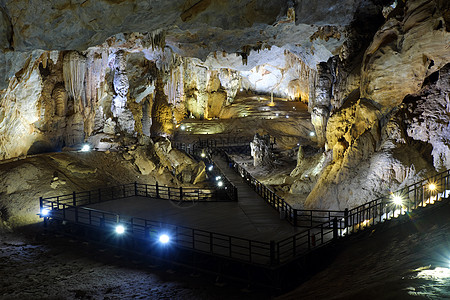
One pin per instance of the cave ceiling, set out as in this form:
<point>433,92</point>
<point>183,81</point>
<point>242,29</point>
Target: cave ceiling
<point>313,30</point>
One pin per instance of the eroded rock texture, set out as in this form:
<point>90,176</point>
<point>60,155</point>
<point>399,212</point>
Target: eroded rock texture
<point>427,116</point>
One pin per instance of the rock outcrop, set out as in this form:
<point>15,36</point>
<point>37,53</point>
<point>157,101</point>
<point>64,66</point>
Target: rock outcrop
<point>260,150</point>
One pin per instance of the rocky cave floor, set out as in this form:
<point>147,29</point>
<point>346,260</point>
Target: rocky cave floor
<point>36,264</point>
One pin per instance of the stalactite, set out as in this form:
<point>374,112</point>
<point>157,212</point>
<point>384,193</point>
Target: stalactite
<point>74,69</point>
<point>158,39</point>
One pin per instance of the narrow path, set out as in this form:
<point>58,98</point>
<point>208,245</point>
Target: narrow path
<point>260,214</point>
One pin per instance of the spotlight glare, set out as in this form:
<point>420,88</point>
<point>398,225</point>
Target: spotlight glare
<point>86,148</point>
<point>287,116</point>
<point>164,239</point>
<point>218,178</point>
<point>203,154</point>
<point>432,187</point>
<point>397,200</point>
<point>210,168</point>
<point>312,133</point>
<point>120,229</point>
<point>220,184</point>
<point>45,212</point>
<point>183,127</point>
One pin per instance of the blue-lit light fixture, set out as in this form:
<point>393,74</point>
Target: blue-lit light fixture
<point>164,238</point>
<point>120,229</point>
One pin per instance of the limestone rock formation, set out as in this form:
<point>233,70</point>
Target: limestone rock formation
<point>260,150</point>
<point>179,163</point>
<point>411,45</point>
<point>427,116</point>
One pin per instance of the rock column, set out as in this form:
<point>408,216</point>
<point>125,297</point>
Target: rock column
<point>321,106</point>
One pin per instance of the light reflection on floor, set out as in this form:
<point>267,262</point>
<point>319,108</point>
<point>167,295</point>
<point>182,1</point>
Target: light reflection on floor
<point>431,283</point>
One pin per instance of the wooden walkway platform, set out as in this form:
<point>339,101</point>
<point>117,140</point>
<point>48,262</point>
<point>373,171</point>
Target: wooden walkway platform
<point>249,218</point>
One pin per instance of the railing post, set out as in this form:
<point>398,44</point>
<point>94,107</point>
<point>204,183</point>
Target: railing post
<point>272,253</point>
<point>135,189</point>
<point>181,193</point>
<point>346,218</point>
<point>335,229</point>
<point>74,199</point>
<point>41,206</point>
<point>295,217</point>
<point>157,190</point>
<point>235,194</point>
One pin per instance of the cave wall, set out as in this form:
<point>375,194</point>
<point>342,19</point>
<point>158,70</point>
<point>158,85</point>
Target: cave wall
<point>371,147</point>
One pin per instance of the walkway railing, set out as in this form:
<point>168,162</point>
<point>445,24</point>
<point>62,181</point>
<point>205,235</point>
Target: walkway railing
<point>403,201</point>
<point>200,145</point>
<point>236,248</point>
<point>67,208</point>
<point>297,217</point>
<point>143,190</point>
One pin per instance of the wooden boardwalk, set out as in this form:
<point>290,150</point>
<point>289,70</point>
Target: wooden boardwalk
<point>249,218</point>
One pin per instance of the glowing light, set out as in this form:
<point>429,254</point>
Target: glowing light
<point>218,177</point>
<point>45,212</point>
<point>164,238</point>
<point>397,200</point>
<point>432,187</point>
<point>210,168</point>
<point>287,116</point>
<point>220,184</point>
<point>436,274</point>
<point>86,148</point>
<point>183,127</point>
<point>277,114</point>
<point>203,154</point>
<point>312,133</point>
<point>120,229</point>
<point>241,89</point>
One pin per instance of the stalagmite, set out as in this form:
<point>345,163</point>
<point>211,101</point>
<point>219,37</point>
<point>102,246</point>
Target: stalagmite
<point>260,150</point>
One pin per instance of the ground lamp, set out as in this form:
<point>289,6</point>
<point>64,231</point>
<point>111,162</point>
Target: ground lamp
<point>120,229</point>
